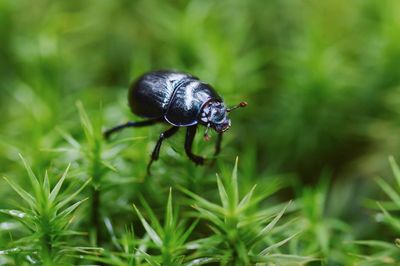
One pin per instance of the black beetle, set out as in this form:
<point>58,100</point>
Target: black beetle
<point>180,100</point>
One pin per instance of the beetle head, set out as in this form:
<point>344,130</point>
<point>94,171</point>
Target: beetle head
<point>214,115</point>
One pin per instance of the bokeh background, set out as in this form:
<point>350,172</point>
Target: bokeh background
<point>322,79</point>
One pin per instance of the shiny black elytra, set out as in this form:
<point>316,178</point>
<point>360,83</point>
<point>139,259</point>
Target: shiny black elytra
<point>180,100</point>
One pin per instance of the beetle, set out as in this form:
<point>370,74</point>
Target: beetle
<point>180,100</point>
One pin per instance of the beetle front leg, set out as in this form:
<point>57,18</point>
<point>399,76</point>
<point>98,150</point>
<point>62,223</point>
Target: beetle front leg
<point>190,134</point>
<point>217,148</point>
<point>156,152</point>
<point>218,144</point>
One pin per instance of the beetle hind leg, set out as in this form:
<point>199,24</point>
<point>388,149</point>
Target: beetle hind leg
<point>190,134</point>
<point>156,152</point>
<point>113,130</point>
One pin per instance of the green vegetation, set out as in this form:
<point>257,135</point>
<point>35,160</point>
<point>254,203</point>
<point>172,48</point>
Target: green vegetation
<point>322,79</point>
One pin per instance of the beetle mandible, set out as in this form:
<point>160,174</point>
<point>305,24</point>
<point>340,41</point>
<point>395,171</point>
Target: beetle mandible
<point>180,100</point>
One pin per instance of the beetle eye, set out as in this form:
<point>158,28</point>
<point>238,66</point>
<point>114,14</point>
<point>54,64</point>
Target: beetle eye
<point>204,117</point>
<point>214,112</point>
<point>218,115</point>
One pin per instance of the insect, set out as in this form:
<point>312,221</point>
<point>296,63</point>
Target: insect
<point>180,100</point>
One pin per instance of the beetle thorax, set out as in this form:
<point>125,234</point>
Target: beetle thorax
<point>214,114</point>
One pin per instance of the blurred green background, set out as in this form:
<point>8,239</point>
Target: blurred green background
<point>322,79</point>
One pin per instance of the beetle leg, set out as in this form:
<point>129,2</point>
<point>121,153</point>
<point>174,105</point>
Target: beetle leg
<point>218,144</point>
<point>110,131</point>
<point>217,148</point>
<point>206,136</point>
<point>190,133</point>
<point>164,135</point>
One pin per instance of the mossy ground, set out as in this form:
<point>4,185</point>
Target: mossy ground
<point>322,79</point>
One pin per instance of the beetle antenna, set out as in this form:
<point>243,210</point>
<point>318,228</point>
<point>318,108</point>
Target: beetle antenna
<point>242,104</point>
<point>206,136</point>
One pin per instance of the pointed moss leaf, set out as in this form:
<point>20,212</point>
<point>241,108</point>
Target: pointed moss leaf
<point>85,121</point>
<point>203,202</point>
<point>208,242</point>
<point>152,216</point>
<point>222,193</point>
<point>22,193</point>
<point>271,225</point>
<point>46,183</point>
<point>66,232</point>
<point>169,216</point>
<point>34,236</point>
<point>188,232</point>
<point>110,229</point>
<point>363,257</point>
<point>14,213</point>
<point>22,217</point>
<point>392,221</point>
<point>246,199</point>
<point>87,250</point>
<point>234,195</point>
<point>109,166</point>
<point>69,139</point>
<point>285,259</point>
<point>395,169</point>
<point>10,251</point>
<point>71,208</point>
<point>18,251</point>
<point>59,150</point>
<point>32,177</point>
<point>72,196</point>
<point>208,215</point>
<point>389,191</point>
<point>57,187</point>
<point>202,261</point>
<point>218,232</point>
<point>97,258</point>
<point>143,245</point>
<point>150,259</point>
<point>9,225</point>
<point>374,243</point>
<point>277,245</point>
<point>242,252</point>
<point>150,231</point>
